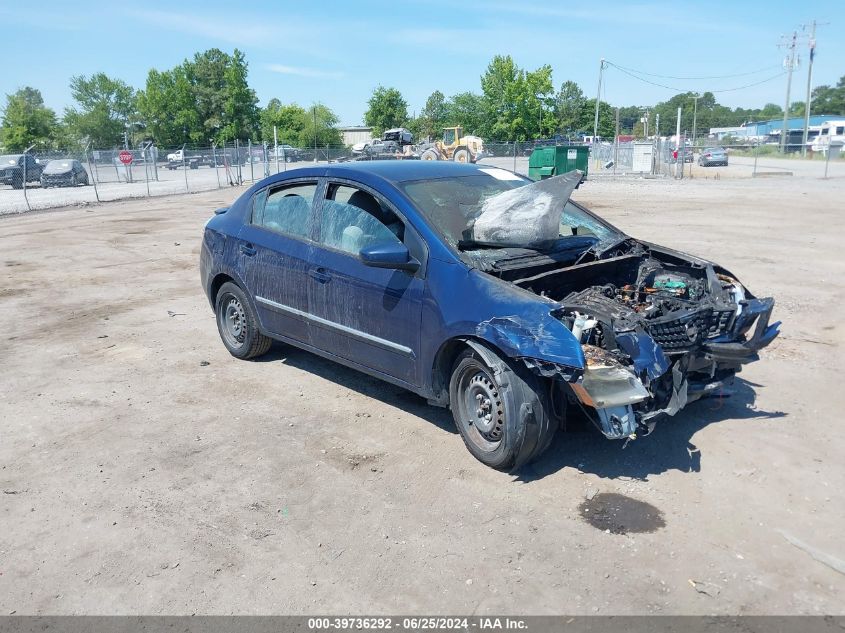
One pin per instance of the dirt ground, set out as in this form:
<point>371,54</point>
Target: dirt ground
<point>143,470</point>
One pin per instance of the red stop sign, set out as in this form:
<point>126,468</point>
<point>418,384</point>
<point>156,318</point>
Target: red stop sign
<point>125,157</point>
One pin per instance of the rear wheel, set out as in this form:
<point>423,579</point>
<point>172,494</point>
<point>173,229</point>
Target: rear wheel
<point>461,155</point>
<point>500,409</point>
<point>238,325</point>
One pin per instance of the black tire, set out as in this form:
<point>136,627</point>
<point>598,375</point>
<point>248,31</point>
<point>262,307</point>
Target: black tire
<point>17,182</point>
<point>238,324</point>
<point>462,155</point>
<point>501,410</point>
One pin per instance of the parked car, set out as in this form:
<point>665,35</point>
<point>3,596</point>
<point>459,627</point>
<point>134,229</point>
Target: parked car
<point>399,135</point>
<point>286,153</point>
<point>12,169</point>
<point>358,148</point>
<point>713,156</point>
<point>379,146</point>
<point>64,172</point>
<point>481,291</point>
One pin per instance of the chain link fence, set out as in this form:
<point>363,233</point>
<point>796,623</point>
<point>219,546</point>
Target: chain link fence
<point>41,180</point>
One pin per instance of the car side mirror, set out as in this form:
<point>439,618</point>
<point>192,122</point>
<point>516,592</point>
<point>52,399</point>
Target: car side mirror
<point>388,255</point>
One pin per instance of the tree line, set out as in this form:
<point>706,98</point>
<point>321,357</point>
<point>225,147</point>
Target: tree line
<point>207,99</point>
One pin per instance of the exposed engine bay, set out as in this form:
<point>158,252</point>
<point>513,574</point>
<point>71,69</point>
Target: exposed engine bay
<point>658,330</point>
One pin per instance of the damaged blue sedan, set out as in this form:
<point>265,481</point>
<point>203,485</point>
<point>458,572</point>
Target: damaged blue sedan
<point>481,291</point>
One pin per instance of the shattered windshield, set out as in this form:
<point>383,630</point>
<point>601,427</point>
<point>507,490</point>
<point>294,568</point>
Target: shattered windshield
<point>498,209</point>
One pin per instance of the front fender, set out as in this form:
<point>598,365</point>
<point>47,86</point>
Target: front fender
<point>548,341</point>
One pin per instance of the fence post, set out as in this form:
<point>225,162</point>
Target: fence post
<point>147,156</point>
<point>756,151</point>
<point>93,177</point>
<point>184,168</point>
<point>827,159</point>
<point>514,155</point>
<point>214,160</point>
<point>238,160</point>
<point>26,199</point>
<point>276,147</point>
<point>249,157</point>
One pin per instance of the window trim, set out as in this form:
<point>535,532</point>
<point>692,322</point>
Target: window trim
<point>345,182</point>
<point>286,184</point>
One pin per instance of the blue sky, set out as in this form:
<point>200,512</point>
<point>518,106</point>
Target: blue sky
<point>338,52</point>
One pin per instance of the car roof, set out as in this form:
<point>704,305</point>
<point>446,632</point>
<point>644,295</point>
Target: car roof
<point>405,170</point>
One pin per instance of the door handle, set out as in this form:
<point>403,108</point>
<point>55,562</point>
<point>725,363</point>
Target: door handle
<point>247,249</point>
<point>320,275</point>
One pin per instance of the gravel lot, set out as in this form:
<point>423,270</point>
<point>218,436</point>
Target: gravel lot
<point>143,470</point>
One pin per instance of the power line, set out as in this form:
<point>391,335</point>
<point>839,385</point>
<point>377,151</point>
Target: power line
<point>678,90</point>
<point>642,72</point>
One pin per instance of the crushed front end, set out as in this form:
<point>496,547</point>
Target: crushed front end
<point>658,330</point>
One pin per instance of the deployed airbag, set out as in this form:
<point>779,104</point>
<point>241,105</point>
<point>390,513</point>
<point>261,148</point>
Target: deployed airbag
<point>528,216</point>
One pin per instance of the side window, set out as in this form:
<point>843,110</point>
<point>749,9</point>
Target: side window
<point>285,210</point>
<point>353,219</point>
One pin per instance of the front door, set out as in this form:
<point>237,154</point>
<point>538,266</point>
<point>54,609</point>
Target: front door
<point>370,316</point>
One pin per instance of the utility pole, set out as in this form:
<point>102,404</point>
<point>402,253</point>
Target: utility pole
<point>596,121</point>
<point>694,116</point>
<point>807,101</point>
<point>790,64</point>
<point>678,149</point>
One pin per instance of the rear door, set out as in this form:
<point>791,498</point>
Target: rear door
<point>370,316</point>
<point>275,248</point>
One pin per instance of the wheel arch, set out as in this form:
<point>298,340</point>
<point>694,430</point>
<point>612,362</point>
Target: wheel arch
<point>444,360</point>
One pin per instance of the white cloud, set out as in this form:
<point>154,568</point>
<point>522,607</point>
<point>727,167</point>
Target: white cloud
<point>302,71</point>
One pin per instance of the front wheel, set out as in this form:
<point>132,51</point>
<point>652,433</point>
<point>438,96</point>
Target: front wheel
<point>238,325</point>
<point>461,156</point>
<point>500,409</point>
<point>429,154</point>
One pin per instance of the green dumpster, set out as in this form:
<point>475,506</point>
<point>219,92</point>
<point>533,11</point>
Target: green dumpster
<point>556,160</point>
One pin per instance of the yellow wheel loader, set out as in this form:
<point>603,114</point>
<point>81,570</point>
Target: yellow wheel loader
<point>456,147</point>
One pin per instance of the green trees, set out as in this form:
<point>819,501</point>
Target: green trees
<point>320,123</point>
<point>467,110</point>
<point>201,100</point>
<point>105,108</point>
<point>569,103</point>
<point>516,101</point>
<point>827,100</point>
<point>434,116</point>
<point>387,109</point>
<point>26,121</point>
<point>168,108</point>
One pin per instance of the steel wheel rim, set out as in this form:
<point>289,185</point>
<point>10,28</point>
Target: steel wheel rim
<point>232,319</point>
<point>481,409</point>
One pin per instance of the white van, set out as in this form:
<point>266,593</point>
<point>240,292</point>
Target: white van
<point>831,133</point>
